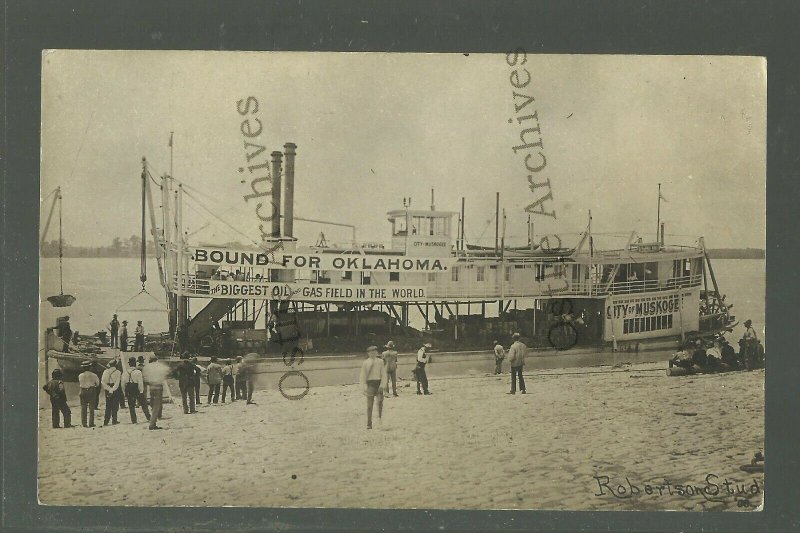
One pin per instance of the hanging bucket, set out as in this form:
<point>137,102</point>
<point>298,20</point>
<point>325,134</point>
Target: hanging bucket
<point>61,300</point>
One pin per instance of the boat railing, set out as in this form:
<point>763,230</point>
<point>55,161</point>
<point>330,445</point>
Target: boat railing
<point>487,290</point>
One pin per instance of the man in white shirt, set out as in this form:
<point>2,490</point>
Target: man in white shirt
<point>516,358</point>
<point>155,374</point>
<point>89,384</point>
<point>134,386</point>
<point>110,381</point>
<point>499,355</point>
<point>423,358</point>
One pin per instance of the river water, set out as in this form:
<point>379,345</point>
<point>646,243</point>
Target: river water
<point>104,286</point>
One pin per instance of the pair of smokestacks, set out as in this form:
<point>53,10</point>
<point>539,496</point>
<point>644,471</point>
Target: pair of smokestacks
<point>288,186</point>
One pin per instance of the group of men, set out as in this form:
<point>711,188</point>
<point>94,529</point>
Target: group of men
<point>516,358</point>
<point>379,371</point>
<point>238,378</point>
<point>127,386</point>
<point>119,335</point>
<point>719,356</point>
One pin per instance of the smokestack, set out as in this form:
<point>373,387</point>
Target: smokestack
<point>276,193</point>
<point>662,234</point>
<point>433,203</point>
<point>288,187</point>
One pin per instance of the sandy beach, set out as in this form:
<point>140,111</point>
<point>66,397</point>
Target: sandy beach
<point>580,439</point>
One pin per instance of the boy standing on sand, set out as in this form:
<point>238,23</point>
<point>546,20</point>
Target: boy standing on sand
<point>516,358</point>
<point>58,399</point>
<point>373,382</point>
<point>390,359</point>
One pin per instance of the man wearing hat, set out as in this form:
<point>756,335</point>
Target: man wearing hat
<point>373,382</point>
<point>198,372</point>
<point>155,375</point>
<point>138,342</point>
<point>111,384</point>
<point>390,360</point>
<point>423,358</point>
<point>89,383</point>
<point>134,389</point>
<point>499,355</point>
<point>123,336</point>
<point>186,373</point>
<point>516,358</point>
<point>113,327</point>
<point>58,399</point>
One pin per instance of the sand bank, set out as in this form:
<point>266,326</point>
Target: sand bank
<point>578,435</point>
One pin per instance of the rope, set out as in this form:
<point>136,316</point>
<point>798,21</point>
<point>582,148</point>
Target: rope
<point>210,212</point>
<point>60,248</point>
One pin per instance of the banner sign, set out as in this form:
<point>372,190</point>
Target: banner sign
<point>313,293</point>
<point>225,257</point>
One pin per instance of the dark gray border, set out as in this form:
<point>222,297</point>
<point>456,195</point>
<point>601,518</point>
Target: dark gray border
<point>747,27</point>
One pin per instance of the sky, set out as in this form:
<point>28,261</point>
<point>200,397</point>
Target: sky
<point>374,128</point>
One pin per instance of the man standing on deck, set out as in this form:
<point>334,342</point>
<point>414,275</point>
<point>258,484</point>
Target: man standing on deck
<point>423,358</point>
<point>155,374</point>
<point>123,336</point>
<point>113,327</point>
<point>390,359</point>
<point>138,343</point>
<point>499,355</point>
<point>516,358</point>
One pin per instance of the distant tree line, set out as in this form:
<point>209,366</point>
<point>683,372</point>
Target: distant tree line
<point>736,253</point>
<point>130,247</point>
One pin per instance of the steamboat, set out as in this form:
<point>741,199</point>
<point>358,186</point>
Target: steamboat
<point>330,298</point>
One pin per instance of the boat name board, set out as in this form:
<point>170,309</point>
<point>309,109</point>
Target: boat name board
<point>279,260</point>
<point>312,293</point>
<point>634,308</point>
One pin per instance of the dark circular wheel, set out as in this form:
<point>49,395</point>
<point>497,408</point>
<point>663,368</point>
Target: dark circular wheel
<point>289,374</point>
<point>562,336</point>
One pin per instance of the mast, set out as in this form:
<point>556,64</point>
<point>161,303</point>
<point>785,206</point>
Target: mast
<point>497,222</point>
<point>591,253</point>
<point>60,244</point>
<point>658,221</point>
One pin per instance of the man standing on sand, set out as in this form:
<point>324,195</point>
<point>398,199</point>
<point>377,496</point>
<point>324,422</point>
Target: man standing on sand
<point>198,373</point>
<point>111,385</point>
<point>499,355</point>
<point>423,358</point>
<point>373,383</point>
<point>58,399</point>
<point>89,383</point>
<point>214,378</point>
<point>113,327</point>
<point>186,373</point>
<point>134,388</point>
<point>155,374</point>
<point>390,360</point>
<point>123,336</point>
<point>247,373</point>
<point>516,358</point>
<point>239,384</point>
<point>227,380</point>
